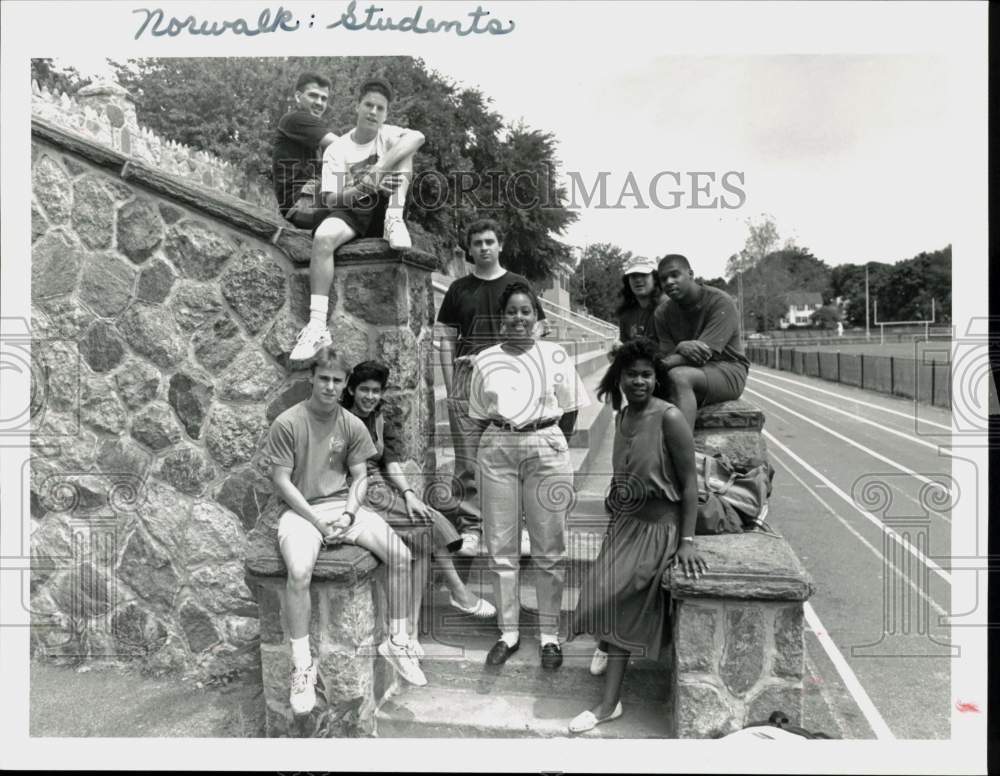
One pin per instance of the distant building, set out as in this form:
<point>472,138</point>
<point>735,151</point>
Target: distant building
<point>801,305</point>
<point>556,288</point>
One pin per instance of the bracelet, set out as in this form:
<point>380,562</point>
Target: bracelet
<point>351,515</point>
<point>687,539</point>
<point>409,490</point>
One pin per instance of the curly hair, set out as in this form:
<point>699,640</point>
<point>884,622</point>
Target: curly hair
<point>520,288</point>
<point>623,356</point>
<point>366,370</point>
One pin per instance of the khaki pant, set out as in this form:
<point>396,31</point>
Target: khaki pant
<point>527,473</point>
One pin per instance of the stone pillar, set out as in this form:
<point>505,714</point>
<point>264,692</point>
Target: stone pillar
<point>738,635</point>
<point>733,428</point>
<point>382,307</point>
<point>343,634</point>
<point>112,100</point>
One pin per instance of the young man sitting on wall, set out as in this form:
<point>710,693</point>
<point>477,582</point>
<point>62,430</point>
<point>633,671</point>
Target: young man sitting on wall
<point>365,177</point>
<point>300,139</point>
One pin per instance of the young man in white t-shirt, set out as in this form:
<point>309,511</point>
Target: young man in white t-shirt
<point>365,177</point>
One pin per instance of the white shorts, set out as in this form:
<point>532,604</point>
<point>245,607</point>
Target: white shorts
<point>292,524</point>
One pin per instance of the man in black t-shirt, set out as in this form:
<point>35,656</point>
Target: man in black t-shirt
<point>299,141</point>
<point>470,313</point>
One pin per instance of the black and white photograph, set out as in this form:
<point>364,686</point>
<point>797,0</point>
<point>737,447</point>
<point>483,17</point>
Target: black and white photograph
<point>338,341</point>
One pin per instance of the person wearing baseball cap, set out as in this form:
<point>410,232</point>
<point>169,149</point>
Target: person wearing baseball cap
<point>640,295</point>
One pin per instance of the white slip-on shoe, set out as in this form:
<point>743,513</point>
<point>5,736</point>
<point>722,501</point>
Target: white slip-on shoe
<point>599,663</point>
<point>587,720</point>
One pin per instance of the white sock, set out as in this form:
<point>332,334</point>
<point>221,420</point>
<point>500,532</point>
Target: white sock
<point>599,651</point>
<point>511,637</point>
<point>319,304</point>
<point>300,652</point>
<point>548,638</point>
<point>398,630</point>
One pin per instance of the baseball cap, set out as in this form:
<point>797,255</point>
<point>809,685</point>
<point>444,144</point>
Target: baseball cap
<point>638,264</point>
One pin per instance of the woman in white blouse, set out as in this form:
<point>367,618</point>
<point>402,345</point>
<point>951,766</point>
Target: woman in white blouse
<point>530,392</point>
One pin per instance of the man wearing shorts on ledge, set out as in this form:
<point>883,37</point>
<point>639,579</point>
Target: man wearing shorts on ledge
<point>366,174</point>
<point>699,340</point>
<point>299,141</point>
<point>319,457</point>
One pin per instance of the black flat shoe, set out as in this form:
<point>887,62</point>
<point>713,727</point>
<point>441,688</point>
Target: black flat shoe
<point>551,656</point>
<point>500,651</point>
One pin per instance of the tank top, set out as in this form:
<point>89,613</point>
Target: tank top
<point>642,465</point>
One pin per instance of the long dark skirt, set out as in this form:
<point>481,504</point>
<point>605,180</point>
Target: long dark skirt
<point>622,600</point>
<point>390,504</point>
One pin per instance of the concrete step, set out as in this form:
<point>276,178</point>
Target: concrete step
<point>458,660</point>
<point>460,712</point>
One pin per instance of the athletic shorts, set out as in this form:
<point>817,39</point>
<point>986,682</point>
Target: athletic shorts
<point>724,381</point>
<point>365,221</point>
<point>292,524</point>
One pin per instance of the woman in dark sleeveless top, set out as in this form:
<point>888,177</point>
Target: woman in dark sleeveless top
<point>654,503</point>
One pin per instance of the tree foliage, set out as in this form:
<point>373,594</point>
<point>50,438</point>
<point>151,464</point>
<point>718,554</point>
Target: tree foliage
<point>597,281</point>
<point>230,107</point>
<point>56,78</point>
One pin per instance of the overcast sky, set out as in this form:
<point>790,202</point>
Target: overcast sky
<point>850,151</point>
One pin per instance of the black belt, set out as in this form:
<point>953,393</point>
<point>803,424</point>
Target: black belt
<point>538,425</point>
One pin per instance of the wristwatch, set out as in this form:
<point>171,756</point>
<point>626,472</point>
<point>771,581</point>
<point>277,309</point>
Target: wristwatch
<point>351,516</point>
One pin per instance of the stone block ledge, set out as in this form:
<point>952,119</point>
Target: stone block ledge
<point>747,566</point>
<point>346,564</point>
<point>234,212</point>
<point>738,414</point>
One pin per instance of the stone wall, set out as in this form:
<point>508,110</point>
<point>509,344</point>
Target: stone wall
<point>162,317</point>
<point>738,635</point>
<point>105,112</point>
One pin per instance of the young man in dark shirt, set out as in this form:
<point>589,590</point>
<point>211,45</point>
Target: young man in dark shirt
<point>699,340</point>
<point>470,320</point>
<point>300,139</point>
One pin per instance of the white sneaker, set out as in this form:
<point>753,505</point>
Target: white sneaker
<point>303,695</point>
<point>470,545</point>
<point>396,233</point>
<point>599,663</point>
<point>310,341</point>
<point>405,663</point>
<point>415,648</point>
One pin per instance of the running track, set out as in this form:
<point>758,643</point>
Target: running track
<point>871,552</point>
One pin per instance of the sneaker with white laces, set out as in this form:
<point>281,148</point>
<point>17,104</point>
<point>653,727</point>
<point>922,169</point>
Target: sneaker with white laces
<point>396,233</point>
<point>313,337</point>
<point>303,689</point>
<point>401,658</point>
<point>470,545</point>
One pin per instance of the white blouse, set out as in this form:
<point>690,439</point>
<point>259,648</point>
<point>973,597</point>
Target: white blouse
<point>537,385</point>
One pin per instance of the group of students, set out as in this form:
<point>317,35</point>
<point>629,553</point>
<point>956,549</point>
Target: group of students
<point>513,399</point>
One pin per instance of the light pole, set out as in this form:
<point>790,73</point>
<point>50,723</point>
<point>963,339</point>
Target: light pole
<point>867,307</point>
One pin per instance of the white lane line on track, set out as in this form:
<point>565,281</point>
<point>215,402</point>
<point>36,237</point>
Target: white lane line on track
<point>854,532</point>
<point>856,401</point>
<point>858,445</point>
<point>866,421</point>
<point>850,679</point>
<point>864,513</point>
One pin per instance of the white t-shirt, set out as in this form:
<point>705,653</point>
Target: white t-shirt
<point>345,162</point>
<point>540,384</point>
